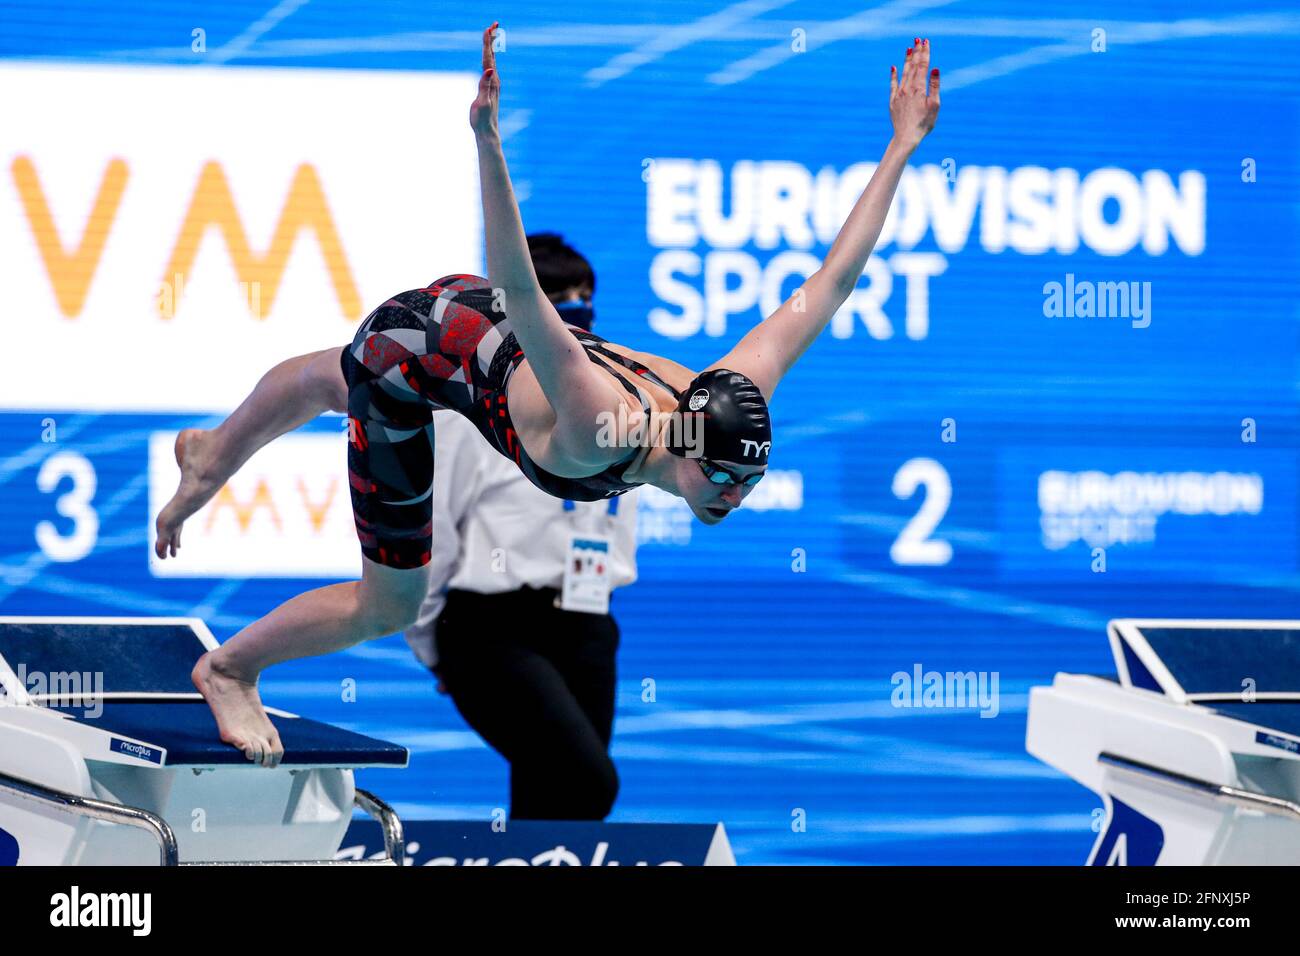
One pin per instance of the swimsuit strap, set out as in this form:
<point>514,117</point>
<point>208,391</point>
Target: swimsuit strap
<point>513,355</point>
<point>595,349</point>
<point>595,344</point>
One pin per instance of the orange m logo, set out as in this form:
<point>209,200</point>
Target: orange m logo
<point>244,510</point>
<point>213,205</point>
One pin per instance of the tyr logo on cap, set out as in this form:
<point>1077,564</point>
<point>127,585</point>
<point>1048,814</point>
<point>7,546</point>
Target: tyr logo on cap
<point>756,448</point>
<point>699,398</point>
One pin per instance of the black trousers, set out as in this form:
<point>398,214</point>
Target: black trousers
<point>538,684</point>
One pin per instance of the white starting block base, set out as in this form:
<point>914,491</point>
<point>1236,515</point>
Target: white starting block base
<point>1194,750</point>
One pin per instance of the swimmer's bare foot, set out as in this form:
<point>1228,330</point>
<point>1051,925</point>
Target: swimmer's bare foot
<point>200,480</point>
<point>241,719</point>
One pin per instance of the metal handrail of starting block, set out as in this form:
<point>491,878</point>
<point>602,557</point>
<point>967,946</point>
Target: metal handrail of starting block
<point>97,810</point>
<point>1245,798</point>
<point>378,810</point>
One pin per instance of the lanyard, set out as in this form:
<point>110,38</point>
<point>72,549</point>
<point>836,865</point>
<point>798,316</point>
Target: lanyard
<point>611,510</point>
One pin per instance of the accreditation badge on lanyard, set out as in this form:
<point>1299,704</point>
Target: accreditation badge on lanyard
<point>587,568</point>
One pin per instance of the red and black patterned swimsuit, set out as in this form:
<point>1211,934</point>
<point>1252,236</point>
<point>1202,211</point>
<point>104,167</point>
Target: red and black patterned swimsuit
<point>443,347</point>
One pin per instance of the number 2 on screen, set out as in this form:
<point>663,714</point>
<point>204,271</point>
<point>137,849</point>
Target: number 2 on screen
<point>914,545</point>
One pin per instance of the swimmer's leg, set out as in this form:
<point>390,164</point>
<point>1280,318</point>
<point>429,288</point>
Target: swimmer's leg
<point>390,479</point>
<point>318,622</point>
<point>391,467</point>
<point>291,394</point>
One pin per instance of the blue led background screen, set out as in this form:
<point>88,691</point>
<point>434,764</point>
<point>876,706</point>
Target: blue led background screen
<point>1064,390</point>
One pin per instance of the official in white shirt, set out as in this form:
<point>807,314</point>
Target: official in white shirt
<point>538,684</point>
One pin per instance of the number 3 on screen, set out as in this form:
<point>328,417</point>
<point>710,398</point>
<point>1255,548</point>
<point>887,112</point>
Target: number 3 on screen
<point>75,505</point>
<point>914,545</point>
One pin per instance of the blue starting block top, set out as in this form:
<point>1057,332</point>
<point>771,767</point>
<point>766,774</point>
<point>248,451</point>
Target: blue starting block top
<point>140,657</point>
<point>142,692</point>
<point>1217,660</point>
<point>1209,660</point>
<point>188,732</point>
<point>1245,670</point>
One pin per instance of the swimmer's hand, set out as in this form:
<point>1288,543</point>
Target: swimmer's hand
<point>483,111</point>
<point>913,111</point>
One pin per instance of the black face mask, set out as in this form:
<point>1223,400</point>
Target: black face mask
<point>576,312</point>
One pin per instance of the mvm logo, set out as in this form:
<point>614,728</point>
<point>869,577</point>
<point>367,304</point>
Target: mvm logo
<point>245,507</point>
<point>72,267</point>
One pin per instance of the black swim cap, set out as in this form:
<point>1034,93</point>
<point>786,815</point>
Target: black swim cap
<point>722,416</point>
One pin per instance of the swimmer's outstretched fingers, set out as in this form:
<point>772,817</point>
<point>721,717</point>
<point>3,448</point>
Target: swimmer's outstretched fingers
<point>910,92</point>
<point>483,111</point>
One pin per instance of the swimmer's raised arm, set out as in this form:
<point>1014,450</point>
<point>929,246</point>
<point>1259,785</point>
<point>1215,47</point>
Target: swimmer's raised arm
<point>769,350</point>
<point>573,386</point>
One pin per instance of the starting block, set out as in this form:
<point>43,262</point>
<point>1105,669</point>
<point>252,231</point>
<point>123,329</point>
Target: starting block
<point>108,756</point>
<point>1193,748</point>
